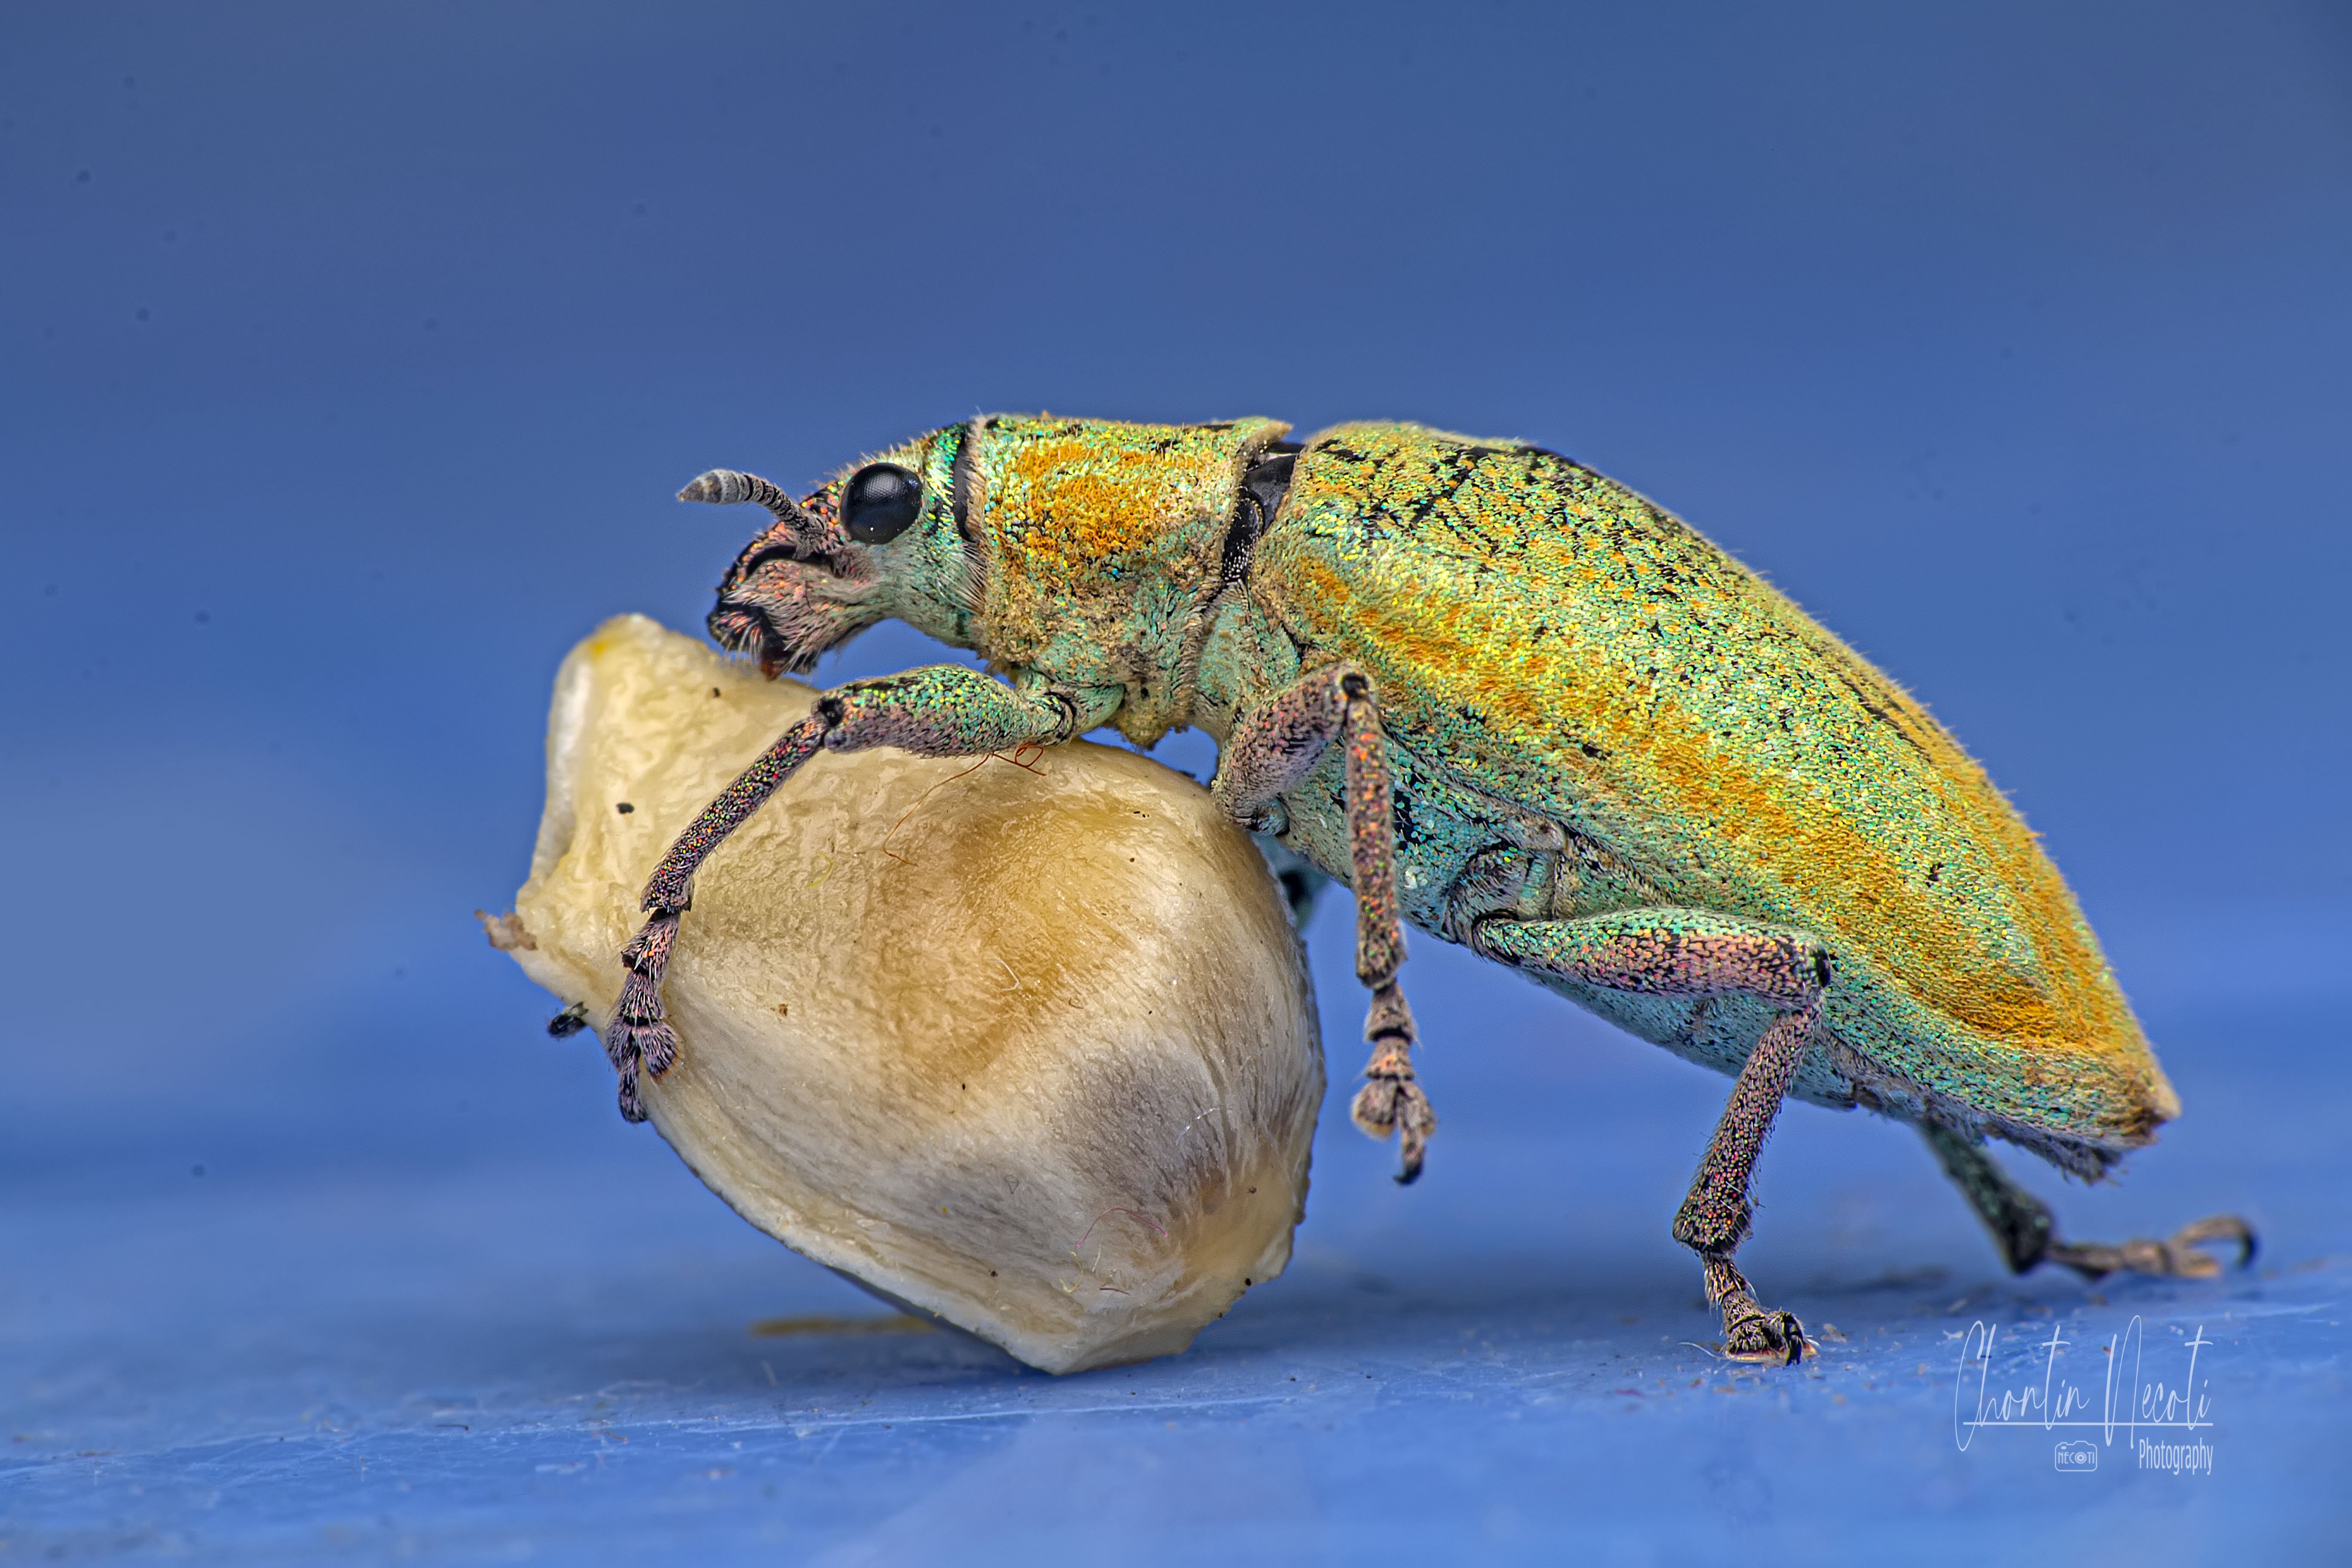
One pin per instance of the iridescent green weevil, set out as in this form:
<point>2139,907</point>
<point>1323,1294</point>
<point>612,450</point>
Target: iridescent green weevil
<point>1511,701</point>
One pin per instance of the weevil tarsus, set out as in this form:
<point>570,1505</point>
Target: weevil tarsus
<point>1269,752</point>
<point>2179,1256</point>
<point>1699,953</point>
<point>2023,1227</point>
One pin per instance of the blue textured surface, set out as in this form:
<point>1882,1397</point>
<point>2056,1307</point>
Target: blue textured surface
<point>351,358</point>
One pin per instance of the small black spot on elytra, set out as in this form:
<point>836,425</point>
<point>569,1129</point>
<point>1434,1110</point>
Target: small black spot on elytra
<point>1934,872</point>
<point>623,807</point>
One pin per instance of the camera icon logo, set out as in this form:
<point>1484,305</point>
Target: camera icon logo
<point>2080,1455</point>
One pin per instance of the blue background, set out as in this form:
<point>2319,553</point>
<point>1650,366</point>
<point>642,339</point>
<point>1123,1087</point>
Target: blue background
<point>352,354</point>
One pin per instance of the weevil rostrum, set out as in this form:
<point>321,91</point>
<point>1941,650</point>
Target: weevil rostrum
<point>1513,703</point>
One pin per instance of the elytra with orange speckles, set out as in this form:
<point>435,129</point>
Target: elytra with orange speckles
<point>1546,638</point>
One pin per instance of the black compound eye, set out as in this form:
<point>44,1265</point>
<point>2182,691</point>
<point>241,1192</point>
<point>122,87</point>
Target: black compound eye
<point>879,502</point>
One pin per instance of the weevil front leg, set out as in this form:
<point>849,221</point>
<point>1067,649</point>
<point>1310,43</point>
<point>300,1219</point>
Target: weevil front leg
<point>943,711</point>
<point>1274,747</point>
<point>1695,952</point>
<point>2027,1235</point>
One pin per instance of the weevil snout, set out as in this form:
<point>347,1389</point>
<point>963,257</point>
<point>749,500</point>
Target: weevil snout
<point>798,588</point>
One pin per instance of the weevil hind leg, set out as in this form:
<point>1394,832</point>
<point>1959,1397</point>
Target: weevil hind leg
<point>2027,1234</point>
<point>1696,952</point>
<point>1275,746</point>
<point>2020,1224</point>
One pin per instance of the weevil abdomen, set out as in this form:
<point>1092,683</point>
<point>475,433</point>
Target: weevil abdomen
<point>1544,637</point>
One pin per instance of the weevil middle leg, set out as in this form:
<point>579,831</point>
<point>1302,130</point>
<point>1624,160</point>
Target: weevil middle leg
<point>2027,1235</point>
<point>1696,952</point>
<point>1275,746</point>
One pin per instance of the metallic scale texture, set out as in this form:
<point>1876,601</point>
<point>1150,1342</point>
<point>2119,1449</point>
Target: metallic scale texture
<point>1546,641</point>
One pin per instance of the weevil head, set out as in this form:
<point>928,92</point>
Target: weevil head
<point>877,541</point>
<point>1077,547</point>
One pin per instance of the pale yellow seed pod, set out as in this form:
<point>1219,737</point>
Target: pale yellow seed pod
<point>1027,1044</point>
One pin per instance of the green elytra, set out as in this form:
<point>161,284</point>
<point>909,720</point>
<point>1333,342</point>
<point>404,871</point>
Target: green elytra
<point>1526,710</point>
